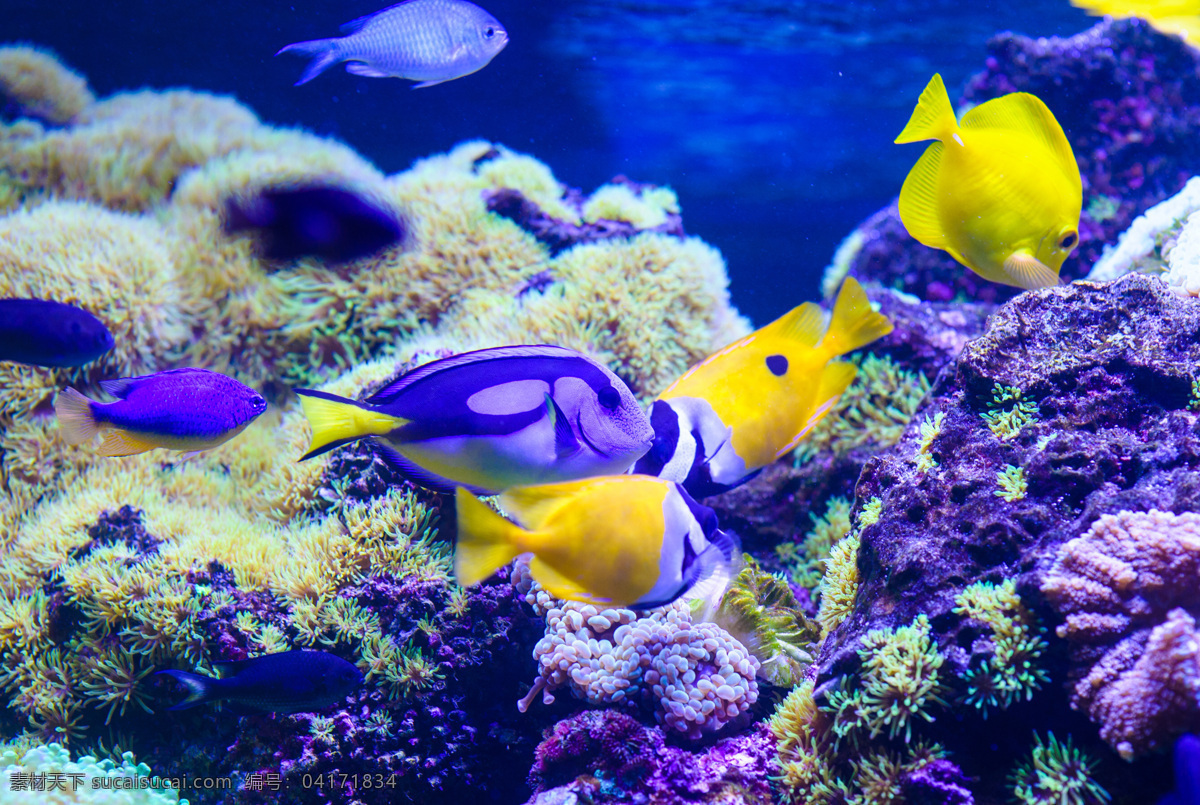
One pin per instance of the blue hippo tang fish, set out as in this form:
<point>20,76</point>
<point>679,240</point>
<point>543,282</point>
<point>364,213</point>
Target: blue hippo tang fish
<point>285,682</point>
<point>428,41</point>
<point>41,332</point>
<point>753,401</point>
<point>625,541</point>
<point>999,191</point>
<point>182,409</point>
<point>492,419</point>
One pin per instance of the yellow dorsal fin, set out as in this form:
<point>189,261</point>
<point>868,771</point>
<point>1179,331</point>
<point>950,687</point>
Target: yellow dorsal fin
<point>836,378</point>
<point>933,119</point>
<point>486,541</point>
<point>854,323</point>
<point>1026,271</point>
<point>1026,114</point>
<point>803,324</point>
<point>559,585</point>
<point>919,202</point>
<point>533,505</point>
<point>123,443</point>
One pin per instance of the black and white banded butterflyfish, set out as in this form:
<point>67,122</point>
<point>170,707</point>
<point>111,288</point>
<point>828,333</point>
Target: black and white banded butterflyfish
<point>625,541</point>
<point>492,419</point>
<point>747,405</point>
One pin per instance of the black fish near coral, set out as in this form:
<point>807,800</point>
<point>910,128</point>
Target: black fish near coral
<point>40,332</point>
<point>287,682</point>
<point>325,221</point>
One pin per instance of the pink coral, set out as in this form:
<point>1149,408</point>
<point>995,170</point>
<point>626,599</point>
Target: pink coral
<point>1125,588</point>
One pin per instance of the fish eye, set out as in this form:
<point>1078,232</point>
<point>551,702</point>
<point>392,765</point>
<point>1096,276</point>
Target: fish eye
<point>609,397</point>
<point>490,32</point>
<point>1068,240</point>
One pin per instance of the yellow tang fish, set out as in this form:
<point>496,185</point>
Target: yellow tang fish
<point>1000,192</point>
<point>617,540</point>
<point>743,407</point>
<point>1181,17</point>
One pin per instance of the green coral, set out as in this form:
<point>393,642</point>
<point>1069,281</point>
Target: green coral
<point>805,566</point>
<point>82,781</point>
<point>1103,208</point>
<point>899,683</point>
<point>1008,413</point>
<point>1194,402</point>
<point>931,427</point>
<point>809,767</point>
<point>839,583</point>
<point>1011,481</point>
<point>762,613</point>
<point>873,412</point>
<point>1057,774</point>
<point>1013,671</point>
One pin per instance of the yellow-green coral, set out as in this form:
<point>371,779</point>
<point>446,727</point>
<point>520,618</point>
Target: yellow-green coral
<point>1008,413</point>
<point>38,85</point>
<point>899,683</point>
<point>805,567</point>
<point>762,613</point>
<point>1013,671</point>
<point>1056,774</point>
<point>1011,481</point>
<point>873,411</point>
<point>617,202</point>
<point>930,428</point>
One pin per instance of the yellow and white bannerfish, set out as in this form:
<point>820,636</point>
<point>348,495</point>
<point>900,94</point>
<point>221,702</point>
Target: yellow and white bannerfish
<point>746,406</point>
<point>999,191</point>
<point>618,540</point>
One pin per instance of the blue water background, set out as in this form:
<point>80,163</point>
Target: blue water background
<point>773,121</point>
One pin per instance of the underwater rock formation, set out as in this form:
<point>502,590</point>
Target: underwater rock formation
<point>1076,403</point>
<point>1128,99</point>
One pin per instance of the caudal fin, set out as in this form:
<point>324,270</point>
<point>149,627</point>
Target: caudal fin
<point>933,119</point>
<point>199,688</point>
<point>336,420</point>
<point>486,541</point>
<point>854,323</point>
<point>75,417</point>
<point>324,53</point>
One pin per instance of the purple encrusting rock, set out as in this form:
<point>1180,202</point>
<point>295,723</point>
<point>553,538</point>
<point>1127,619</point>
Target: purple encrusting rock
<point>603,756</point>
<point>1128,99</point>
<point>1104,420</point>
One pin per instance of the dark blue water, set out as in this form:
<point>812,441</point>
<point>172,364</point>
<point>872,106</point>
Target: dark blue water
<point>772,120</point>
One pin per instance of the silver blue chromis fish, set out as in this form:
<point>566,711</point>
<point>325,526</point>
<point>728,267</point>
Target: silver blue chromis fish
<point>428,41</point>
<point>492,419</point>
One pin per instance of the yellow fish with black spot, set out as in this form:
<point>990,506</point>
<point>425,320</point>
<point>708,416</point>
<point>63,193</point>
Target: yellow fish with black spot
<point>617,540</point>
<point>999,191</point>
<point>747,405</point>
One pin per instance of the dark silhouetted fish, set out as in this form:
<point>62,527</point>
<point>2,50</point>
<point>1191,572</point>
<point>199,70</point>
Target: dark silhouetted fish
<point>39,332</point>
<point>1187,773</point>
<point>287,682</point>
<point>332,223</point>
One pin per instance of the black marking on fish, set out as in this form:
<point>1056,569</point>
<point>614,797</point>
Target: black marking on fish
<point>778,364</point>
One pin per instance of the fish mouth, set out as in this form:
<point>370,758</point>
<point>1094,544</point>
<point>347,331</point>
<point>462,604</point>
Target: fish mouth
<point>586,440</point>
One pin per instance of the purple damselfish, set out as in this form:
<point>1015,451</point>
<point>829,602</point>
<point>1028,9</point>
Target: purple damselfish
<point>286,682</point>
<point>333,223</point>
<point>429,41</point>
<point>492,419</point>
<point>181,409</point>
<point>40,332</point>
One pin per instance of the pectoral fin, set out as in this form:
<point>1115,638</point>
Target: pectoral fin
<point>1026,271</point>
<point>565,443</point>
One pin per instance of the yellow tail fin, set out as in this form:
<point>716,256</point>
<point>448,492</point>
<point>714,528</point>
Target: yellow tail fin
<point>933,119</point>
<point>486,541</point>
<point>336,421</point>
<point>854,323</point>
<point>75,418</point>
